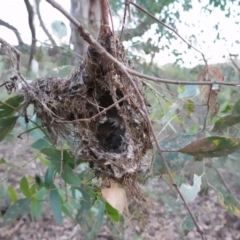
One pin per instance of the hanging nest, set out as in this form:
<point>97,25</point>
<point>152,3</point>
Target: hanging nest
<point>114,141</point>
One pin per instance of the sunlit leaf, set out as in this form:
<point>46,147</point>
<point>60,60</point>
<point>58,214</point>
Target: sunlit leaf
<point>25,187</point>
<point>2,161</point>
<point>229,202</point>
<point>59,29</point>
<point>116,196</point>
<point>190,192</point>
<point>6,126</point>
<point>112,212</point>
<point>12,194</point>
<point>17,209</point>
<point>211,147</point>
<point>188,91</point>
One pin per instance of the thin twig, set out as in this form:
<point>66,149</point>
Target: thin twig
<point>33,32</point>
<point>9,26</point>
<point>18,54</point>
<point>234,64</point>
<point>124,18</point>
<point>97,115</point>
<point>42,23</point>
<point>170,28</point>
<point>29,130</point>
<point>208,107</point>
<point>179,82</point>
<point>3,84</point>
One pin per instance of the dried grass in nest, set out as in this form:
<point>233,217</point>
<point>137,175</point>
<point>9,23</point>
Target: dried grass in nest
<point>114,142</point>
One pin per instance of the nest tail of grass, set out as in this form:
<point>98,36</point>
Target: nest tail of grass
<point>97,111</point>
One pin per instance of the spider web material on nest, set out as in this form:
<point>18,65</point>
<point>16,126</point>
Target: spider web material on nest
<point>113,142</point>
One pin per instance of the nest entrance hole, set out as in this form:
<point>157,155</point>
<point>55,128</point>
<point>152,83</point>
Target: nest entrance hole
<point>111,132</point>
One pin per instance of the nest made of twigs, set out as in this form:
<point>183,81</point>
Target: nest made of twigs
<point>114,141</point>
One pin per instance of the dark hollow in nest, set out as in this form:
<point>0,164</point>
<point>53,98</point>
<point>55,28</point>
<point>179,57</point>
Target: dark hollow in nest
<point>113,142</point>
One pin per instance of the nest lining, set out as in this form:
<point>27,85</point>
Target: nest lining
<point>113,142</point>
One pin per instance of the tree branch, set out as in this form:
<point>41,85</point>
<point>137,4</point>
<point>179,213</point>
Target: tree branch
<point>105,27</point>
<point>9,26</point>
<point>13,49</point>
<point>170,28</point>
<point>33,32</point>
<point>42,23</point>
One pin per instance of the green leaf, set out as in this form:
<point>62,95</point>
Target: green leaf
<point>236,107</point>
<point>67,210</point>
<point>98,223</point>
<point>41,143</point>
<point>187,91</point>
<point>14,102</point>
<point>55,154</point>
<point>25,187</point>
<point>2,161</point>
<point>62,72</point>
<point>59,29</point>
<point>211,147</point>
<point>69,176</point>
<point>225,122</point>
<point>112,212</point>
<point>188,224</point>
<point>55,203</point>
<point>189,106</point>
<point>228,202</point>
<point>12,194</point>
<point>17,209</point>
<point>190,192</point>
<point>6,126</point>
<point>49,177</point>
<point>36,209</point>
<point>39,196</point>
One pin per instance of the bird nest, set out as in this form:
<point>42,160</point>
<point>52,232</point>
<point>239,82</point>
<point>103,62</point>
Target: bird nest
<point>97,111</point>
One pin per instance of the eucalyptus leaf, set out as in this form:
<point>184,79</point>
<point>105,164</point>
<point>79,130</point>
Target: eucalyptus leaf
<point>6,126</point>
<point>59,29</point>
<point>228,202</point>
<point>213,146</point>
<point>112,212</point>
<point>55,203</point>
<point>225,122</point>
<point>7,108</point>
<point>17,209</point>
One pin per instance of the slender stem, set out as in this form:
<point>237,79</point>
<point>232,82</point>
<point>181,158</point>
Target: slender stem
<point>97,115</point>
